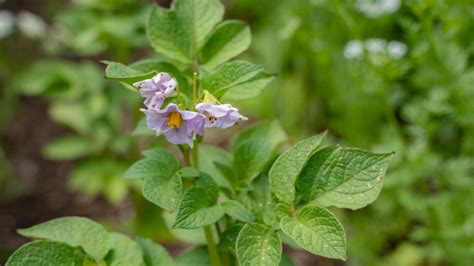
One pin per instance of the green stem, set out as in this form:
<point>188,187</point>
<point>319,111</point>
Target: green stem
<point>195,150</point>
<point>225,255</point>
<point>226,258</point>
<point>195,154</point>
<point>195,92</point>
<point>211,246</point>
<point>180,96</point>
<point>185,152</point>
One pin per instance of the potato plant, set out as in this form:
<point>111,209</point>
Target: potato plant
<point>246,202</point>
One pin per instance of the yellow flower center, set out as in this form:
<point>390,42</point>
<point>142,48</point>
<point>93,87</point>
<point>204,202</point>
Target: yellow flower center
<point>174,120</point>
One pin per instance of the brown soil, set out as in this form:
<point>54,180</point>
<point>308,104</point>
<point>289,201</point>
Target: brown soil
<point>46,195</point>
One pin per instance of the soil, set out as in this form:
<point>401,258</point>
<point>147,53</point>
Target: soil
<point>46,196</point>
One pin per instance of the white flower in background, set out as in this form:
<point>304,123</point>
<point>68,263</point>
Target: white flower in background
<point>378,50</point>
<point>354,49</point>
<point>396,49</point>
<point>31,25</point>
<point>377,8</point>
<point>7,19</point>
<point>375,45</point>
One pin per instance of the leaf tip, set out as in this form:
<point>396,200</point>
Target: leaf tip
<point>22,231</point>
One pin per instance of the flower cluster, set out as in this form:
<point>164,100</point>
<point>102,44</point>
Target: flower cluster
<point>177,125</point>
<point>375,47</point>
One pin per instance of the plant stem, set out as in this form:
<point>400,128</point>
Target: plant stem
<point>195,94</point>
<point>195,150</point>
<point>195,154</point>
<point>185,152</point>
<point>226,258</point>
<point>211,246</point>
<point>180,97</point>
<point>225,255</point>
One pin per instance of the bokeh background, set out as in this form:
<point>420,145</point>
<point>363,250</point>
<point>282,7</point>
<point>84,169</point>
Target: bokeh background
<point>378,74</point>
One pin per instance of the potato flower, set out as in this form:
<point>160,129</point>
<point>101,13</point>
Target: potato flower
<point>178,126</point>
<point>156,89</point>
<point>219,115</point>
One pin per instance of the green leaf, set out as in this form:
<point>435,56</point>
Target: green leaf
<point>198,18</point>
<point>158,65</point>
<point>72,114</point>
<point>210,154</point>
<point>50,78</point>
<point>236,210</point>
<point>154,254</point>
<point>228,238</point>
<point>251,157</point>
<point>258,244</point>
<point>207,183</point>
<point>228,40</point>
<point>158,162</point>
<point>271,130</point>
<point>318,231</point>
<point>100,177</point>
<point>198,256</point>
<point>180,32</point>
<point>189,172</point>
<point>197,209</point>
<point>453,57</point>
<point>250,89</point>
<point>67,148</point>
<point>75,231</point>
<point>121,72</point>
<point>228,173</point>
<point>260,198</point>
<point>231,75</point>
<point>167,37</point>
<point>162,155</point>
<point>96,106</point>
<point>163,191</point>
<point>47,253</point>
<point>272,213</point>
<point>255,147</point>
<point>191,236</point>
<point>124,250</point>
<point>288,166</point>
<point>343,177</point>
<point>141,70</point>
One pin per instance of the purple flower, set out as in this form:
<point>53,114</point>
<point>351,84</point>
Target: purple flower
<point>221,115</point>
<point>178,126</point>
<point>156,89</point>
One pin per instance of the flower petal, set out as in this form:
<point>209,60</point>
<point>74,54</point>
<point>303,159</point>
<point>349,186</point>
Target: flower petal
<point>220,116</point>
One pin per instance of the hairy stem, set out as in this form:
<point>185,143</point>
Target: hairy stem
<point>211,246</point>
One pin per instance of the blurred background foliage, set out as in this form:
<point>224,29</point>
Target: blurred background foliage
<point>378,74</point>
